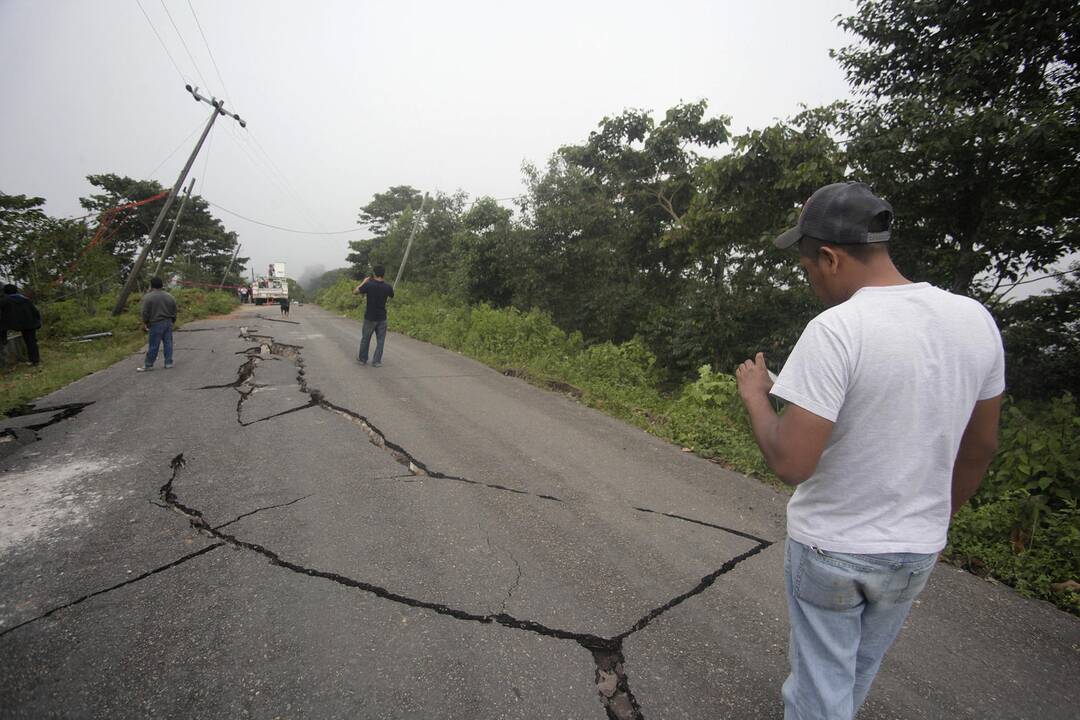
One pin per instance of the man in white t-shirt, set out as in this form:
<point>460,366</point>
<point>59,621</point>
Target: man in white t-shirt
<point>894,394</point>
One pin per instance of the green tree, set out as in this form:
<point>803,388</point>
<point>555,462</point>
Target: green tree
<point>595,216</point>
<point>968,121</point>
<point>386,208</point>
<point>431,258</point>
<point>484,254</point>
<point>1042,342</point>
<point>296,291</point>
<point>49,257</point>
<point>743,294</point>
<point>202,247</point>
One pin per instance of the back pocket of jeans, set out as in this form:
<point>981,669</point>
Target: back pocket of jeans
<point>826,585</point>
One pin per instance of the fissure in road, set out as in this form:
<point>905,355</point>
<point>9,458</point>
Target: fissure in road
<point>611,679</point>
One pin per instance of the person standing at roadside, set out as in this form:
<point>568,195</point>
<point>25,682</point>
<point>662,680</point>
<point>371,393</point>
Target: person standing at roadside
<point>378,291</point>
<point>158,312</point>
<point>17,312</point>
<point>894,394</point>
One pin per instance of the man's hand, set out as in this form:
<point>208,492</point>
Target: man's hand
<point>145,327</point>
<point>753,378</point>
<point>356,290</point>
<point>792,444</point>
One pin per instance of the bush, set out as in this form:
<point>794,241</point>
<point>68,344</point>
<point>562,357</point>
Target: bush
<point>993,539</point>
<point>709,417</point>
<point>1023,526</point>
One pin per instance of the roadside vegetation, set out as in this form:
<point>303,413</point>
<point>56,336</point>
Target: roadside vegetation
<point>64,360</point>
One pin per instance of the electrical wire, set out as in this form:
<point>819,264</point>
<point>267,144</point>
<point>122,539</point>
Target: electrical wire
<point>206,159</point>
<point>278,227</point>
<point>262,170</point>
<point>175,150</point>
<point>209,51</point>
<point>164,47</point>
<point>312,217</point>
<point>190,56</point>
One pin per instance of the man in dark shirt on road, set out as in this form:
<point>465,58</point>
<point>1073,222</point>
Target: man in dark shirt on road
<point>377,291</point>
<point>158,313</point>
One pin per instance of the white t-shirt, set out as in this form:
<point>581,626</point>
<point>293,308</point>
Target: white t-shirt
<point>898,369</point>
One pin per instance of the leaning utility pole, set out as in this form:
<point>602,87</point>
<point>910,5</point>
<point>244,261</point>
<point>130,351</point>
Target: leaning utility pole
<point>175,223</point>
<point>408,245</point>
<point>235,253</point>
<point>219,109</point>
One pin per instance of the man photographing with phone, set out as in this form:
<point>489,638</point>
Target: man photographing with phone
<point>378,291</point>
<point>894,394</point>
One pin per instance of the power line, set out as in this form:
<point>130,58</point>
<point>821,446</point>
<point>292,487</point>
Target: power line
<point>206,158</point>
<point>176,149</point>
<point>288,185</point>
<point>262,164</point>
<point>210,52</point>
<point>190,56</point>
<point>163,46</point>
<point>265,172</point>
<point>278,227</point>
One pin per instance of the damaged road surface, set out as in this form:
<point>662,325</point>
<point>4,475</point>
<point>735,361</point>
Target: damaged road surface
<point>272,530</point>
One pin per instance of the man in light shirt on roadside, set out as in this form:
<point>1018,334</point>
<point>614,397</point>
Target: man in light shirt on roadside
<point>894,394</point>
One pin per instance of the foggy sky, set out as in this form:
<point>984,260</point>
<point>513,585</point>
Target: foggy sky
<point>345,99</point>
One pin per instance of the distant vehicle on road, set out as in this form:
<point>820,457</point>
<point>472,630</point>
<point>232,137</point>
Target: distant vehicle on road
<point>271,288</point>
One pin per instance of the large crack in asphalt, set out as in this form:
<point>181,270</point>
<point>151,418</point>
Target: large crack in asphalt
<point>291,322</point>
<point>268,348</point>
<point>12,438</point>
<point>612,683</point>
<point>611,679</point>
<point>60,413</point>
<point>129,581</point>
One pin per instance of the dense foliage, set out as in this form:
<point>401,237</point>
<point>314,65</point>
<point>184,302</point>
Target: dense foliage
<point>53,259</point>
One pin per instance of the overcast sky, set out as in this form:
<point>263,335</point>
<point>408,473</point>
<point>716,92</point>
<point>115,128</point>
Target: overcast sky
<point>347,98</point>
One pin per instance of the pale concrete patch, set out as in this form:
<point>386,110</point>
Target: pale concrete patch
<point>37,502</point>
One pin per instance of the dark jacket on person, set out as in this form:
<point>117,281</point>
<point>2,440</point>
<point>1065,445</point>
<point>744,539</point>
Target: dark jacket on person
<point>377,291</point>
<point>158,305</point>
<point>17,312</point>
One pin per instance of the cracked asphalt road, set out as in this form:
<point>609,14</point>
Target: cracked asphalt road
<point>271,530</point>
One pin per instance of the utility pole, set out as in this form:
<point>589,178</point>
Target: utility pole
<point>176,222</point>
<point>408,245</point>
<point>219,109</point>
<point>235,253</point>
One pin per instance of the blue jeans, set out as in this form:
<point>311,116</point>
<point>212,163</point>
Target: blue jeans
<point>845,611</point>
<point>379,328</point>
<point>160,334</point>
